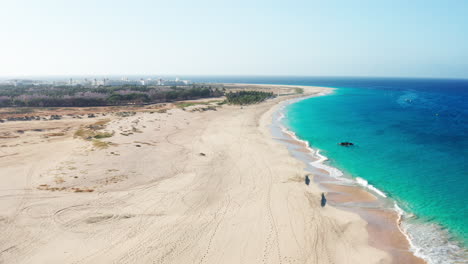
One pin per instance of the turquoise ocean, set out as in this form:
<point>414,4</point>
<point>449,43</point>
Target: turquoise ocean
<point>411,144</point>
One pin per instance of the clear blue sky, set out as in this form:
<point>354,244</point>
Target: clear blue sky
<point>345,38</point>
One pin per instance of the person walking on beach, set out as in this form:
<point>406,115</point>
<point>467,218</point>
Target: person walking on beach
<point>323,202</point>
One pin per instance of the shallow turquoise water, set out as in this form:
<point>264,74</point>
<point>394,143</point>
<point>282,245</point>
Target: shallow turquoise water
<point>405,150</point>
<point>411,144</point>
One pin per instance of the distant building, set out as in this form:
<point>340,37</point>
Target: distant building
<point>22,82</point>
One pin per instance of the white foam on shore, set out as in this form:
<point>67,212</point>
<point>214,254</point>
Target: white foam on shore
<point>371,187</point>
<point>319,158</point>
<point>334,172</point>
<point>398,209</point>
<point>427,241</point>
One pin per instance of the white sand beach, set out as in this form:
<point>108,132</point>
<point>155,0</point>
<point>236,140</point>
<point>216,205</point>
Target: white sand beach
<point>175,186</point>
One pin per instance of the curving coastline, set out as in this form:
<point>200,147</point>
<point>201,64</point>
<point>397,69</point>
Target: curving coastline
<point>210,180</point>
<point>332,181</point>
<point>168,185</point>
<point>426,239</point>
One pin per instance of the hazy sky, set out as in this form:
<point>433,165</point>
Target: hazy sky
<point>255,37</point>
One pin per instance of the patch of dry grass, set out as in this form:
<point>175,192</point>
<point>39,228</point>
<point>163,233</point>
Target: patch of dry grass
<point>100,144</point>
<point>46,187</point>
<point>91,131</point>
<point>58,134</point>
<point>82,190</point>
<point>203,109</point>
<point>183,105</point>
<point>84,133</point>
<point>125,114</point>
<point>102,122</point>
<point>100,135</point>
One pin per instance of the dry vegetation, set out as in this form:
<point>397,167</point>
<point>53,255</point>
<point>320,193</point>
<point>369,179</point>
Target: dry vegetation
<point>101,144</point>
<point>187,104</point>
<point>57,134</point>
<point>46,187</point>
<point>91,131</point>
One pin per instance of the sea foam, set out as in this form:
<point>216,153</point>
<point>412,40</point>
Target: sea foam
<point>433,244</point>
<point>366,185</point>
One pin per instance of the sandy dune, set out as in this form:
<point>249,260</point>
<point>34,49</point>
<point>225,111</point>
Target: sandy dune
<point>174,187</point>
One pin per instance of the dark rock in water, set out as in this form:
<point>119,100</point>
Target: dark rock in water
<point>346,144</point>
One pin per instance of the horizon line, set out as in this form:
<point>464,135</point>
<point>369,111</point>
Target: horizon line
<point>230,75</point>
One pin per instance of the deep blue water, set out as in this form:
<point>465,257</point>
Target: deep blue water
<point>411,139</point>
<point>410,142</point>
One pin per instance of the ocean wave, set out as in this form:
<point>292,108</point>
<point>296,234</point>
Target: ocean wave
<point>334,172</point>
<point>318,163</point>
<point>433,244</point>
<point>398,209</point>
<point>428,240</point>
<point>371,187</point>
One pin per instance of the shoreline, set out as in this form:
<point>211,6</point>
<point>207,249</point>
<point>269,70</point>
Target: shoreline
<point>171,185</point>
<point>355,191</point>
